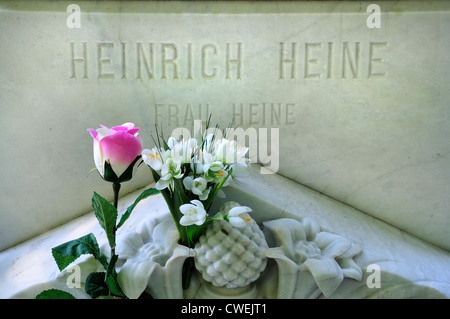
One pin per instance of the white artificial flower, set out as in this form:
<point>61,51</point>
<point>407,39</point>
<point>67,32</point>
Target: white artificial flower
<point>184,150</point>
<point>118,146</point>
<point>199,161</point>
<point>193,213</point>
<point>215,171</point>
<point>229,152</point>
<point>198,186</point>
<point>154,158</point>
<point>238,217</point>
<point>171,142</point>
<point>170,169</point>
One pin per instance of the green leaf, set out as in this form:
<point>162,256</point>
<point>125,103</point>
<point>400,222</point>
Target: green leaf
<point>95,285</point>
<point>144,194</point>
<point>155,175</point>
<point>68,252</point>
<point>102,283</point>
<point>174,206</point>
<point>106,214</point>
<point>111,277</point>
<point>213,193</point>
<point>194,232</point>
<point>180,190</point>
<point>54,294</point>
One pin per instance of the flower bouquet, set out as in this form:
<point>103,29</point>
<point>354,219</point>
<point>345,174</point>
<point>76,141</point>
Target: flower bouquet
<point>227,248</point>
<point>189,174</point>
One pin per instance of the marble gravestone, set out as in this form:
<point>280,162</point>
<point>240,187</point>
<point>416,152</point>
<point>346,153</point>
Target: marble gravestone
<point>351,102</point>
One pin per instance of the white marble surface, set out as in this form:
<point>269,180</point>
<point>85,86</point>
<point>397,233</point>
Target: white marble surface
<point>409,266</point>
<point>371,132</point>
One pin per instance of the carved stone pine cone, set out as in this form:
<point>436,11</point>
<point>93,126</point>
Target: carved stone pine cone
<point>231,257</point>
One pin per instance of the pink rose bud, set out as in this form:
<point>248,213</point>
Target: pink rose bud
<point>116,150</point>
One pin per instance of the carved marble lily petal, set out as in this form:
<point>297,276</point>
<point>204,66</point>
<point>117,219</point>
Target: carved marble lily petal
<point>310,261</point>
<point>153,260</point>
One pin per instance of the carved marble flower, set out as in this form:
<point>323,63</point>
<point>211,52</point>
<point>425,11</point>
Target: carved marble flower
<point>310,261</point>
<point>153,260</point>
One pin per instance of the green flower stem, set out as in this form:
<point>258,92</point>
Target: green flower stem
<point>116,189</point>
<point>214,192</point>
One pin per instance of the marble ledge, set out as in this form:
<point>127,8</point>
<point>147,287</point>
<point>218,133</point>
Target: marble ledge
<point>410,267</point>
